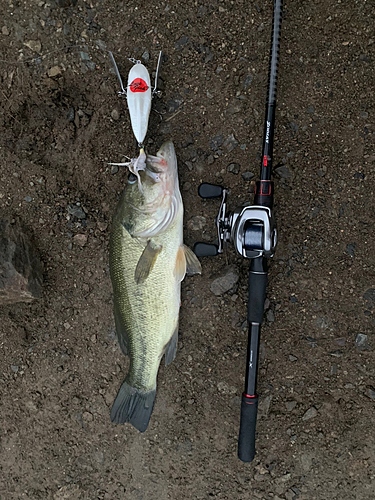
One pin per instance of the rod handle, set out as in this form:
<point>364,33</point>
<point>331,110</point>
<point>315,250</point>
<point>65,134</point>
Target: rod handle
<point>257,290</point>
<point>246,439</point>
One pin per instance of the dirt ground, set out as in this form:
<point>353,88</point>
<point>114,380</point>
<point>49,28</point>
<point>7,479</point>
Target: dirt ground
<point>62,122</point>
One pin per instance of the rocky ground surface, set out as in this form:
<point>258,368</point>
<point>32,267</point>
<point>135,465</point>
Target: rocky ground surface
<point>62,122</point>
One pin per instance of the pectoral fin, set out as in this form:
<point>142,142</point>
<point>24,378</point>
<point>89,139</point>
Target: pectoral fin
<point>180,269</point>
<point>193,266</point>
<point>186,263</point>
<point>146,262</point>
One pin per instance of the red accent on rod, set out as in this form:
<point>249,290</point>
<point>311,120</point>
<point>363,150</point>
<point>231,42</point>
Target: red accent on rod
<point>250,397</point>
<point>265,160</point>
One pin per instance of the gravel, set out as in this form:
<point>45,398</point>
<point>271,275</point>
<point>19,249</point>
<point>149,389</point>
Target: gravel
<point>283,172</point>
<point>180,44</point>
<point>247,176</point>
<point>311,413</point>
<point>216,142</point>
<point>234,168</point>
<point>197,223</point>
<point>361,341</point>
<point>350,249</point>
<point>76,211</point>
<point>225,282</point>
<point>230,143</point>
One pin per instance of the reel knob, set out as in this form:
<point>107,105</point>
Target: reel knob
<point>205,249</point>
<point>207,191</point>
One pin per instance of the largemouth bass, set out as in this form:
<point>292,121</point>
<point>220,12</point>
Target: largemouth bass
<point>148,261</point>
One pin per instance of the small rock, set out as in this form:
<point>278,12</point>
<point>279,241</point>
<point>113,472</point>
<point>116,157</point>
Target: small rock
<point>186,186</point>
<point>210,160</point>
<point>336,354</point>
<point>264,406</point>
<point>289,495</point>
<point>292,358</point>
<point>91,65</point>
<point>230,143</point>
<point>267,304</point>
<point>184,40</point>
<point>71,115</point>
<point>369,296</point>
<point>283,172</point>
<point>290,405</point>
<point>311,413</point>
<point>270,316</point>
<point>350,249</point>
<point>259,477</point>
<point>361,341</point>
<point>247,176</point>
<point>197,223</point>
<point>247,81</point>
<point>364,114</point>
<point>54,71</point>
<point>225,282</point>
<point>311,109</point>
<point>114,169</point>
<point>80,239</point>
<point>359,175</point>
<point>174,104</point>
<point>14,368</point>
<point>102,226</point>
<point>146,56</point>
<point>99,457</point>
<point>115,115</point>
<point>370,393</point>
<point>34,45</point>
<point>216,142</point>
<point>5,31</point>
<point>76,211</point>
<point>225,388</point>
<point>321,322</point>
<point>101,45</point>
<point>294,127</point>
<point>189,141</point>
<point>21,270</point>
<point>340,341</point>
<point>28,199</point>
<point>234,168</point>
<point>84,56</point>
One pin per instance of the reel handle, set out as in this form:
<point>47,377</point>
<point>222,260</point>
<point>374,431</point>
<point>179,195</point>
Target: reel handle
<point>207,191</point>
<point>205,249</point>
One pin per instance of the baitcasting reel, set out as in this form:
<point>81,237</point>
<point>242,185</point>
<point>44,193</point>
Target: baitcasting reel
<point>251,229</point>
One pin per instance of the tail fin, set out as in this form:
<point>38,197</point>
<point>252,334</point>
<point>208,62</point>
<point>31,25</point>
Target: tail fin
<point>134,406</point>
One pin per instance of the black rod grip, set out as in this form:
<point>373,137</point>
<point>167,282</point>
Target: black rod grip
<point>257,296</point>
<point>246,439</point>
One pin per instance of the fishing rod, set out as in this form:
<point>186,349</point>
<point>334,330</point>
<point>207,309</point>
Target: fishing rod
<point>252,231</point>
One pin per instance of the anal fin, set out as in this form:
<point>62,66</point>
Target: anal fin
<point>171,348</point>
<point>120,330</point>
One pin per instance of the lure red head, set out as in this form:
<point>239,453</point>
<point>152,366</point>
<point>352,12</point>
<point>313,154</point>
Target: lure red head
<point>138,85</point>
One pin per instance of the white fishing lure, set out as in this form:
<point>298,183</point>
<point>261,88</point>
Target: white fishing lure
<point>139,95</point>
<point>139,100</point>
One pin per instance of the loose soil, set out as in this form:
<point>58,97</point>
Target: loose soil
<point>62,122</point>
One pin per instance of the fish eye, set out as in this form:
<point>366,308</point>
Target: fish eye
<point>132,178</point>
